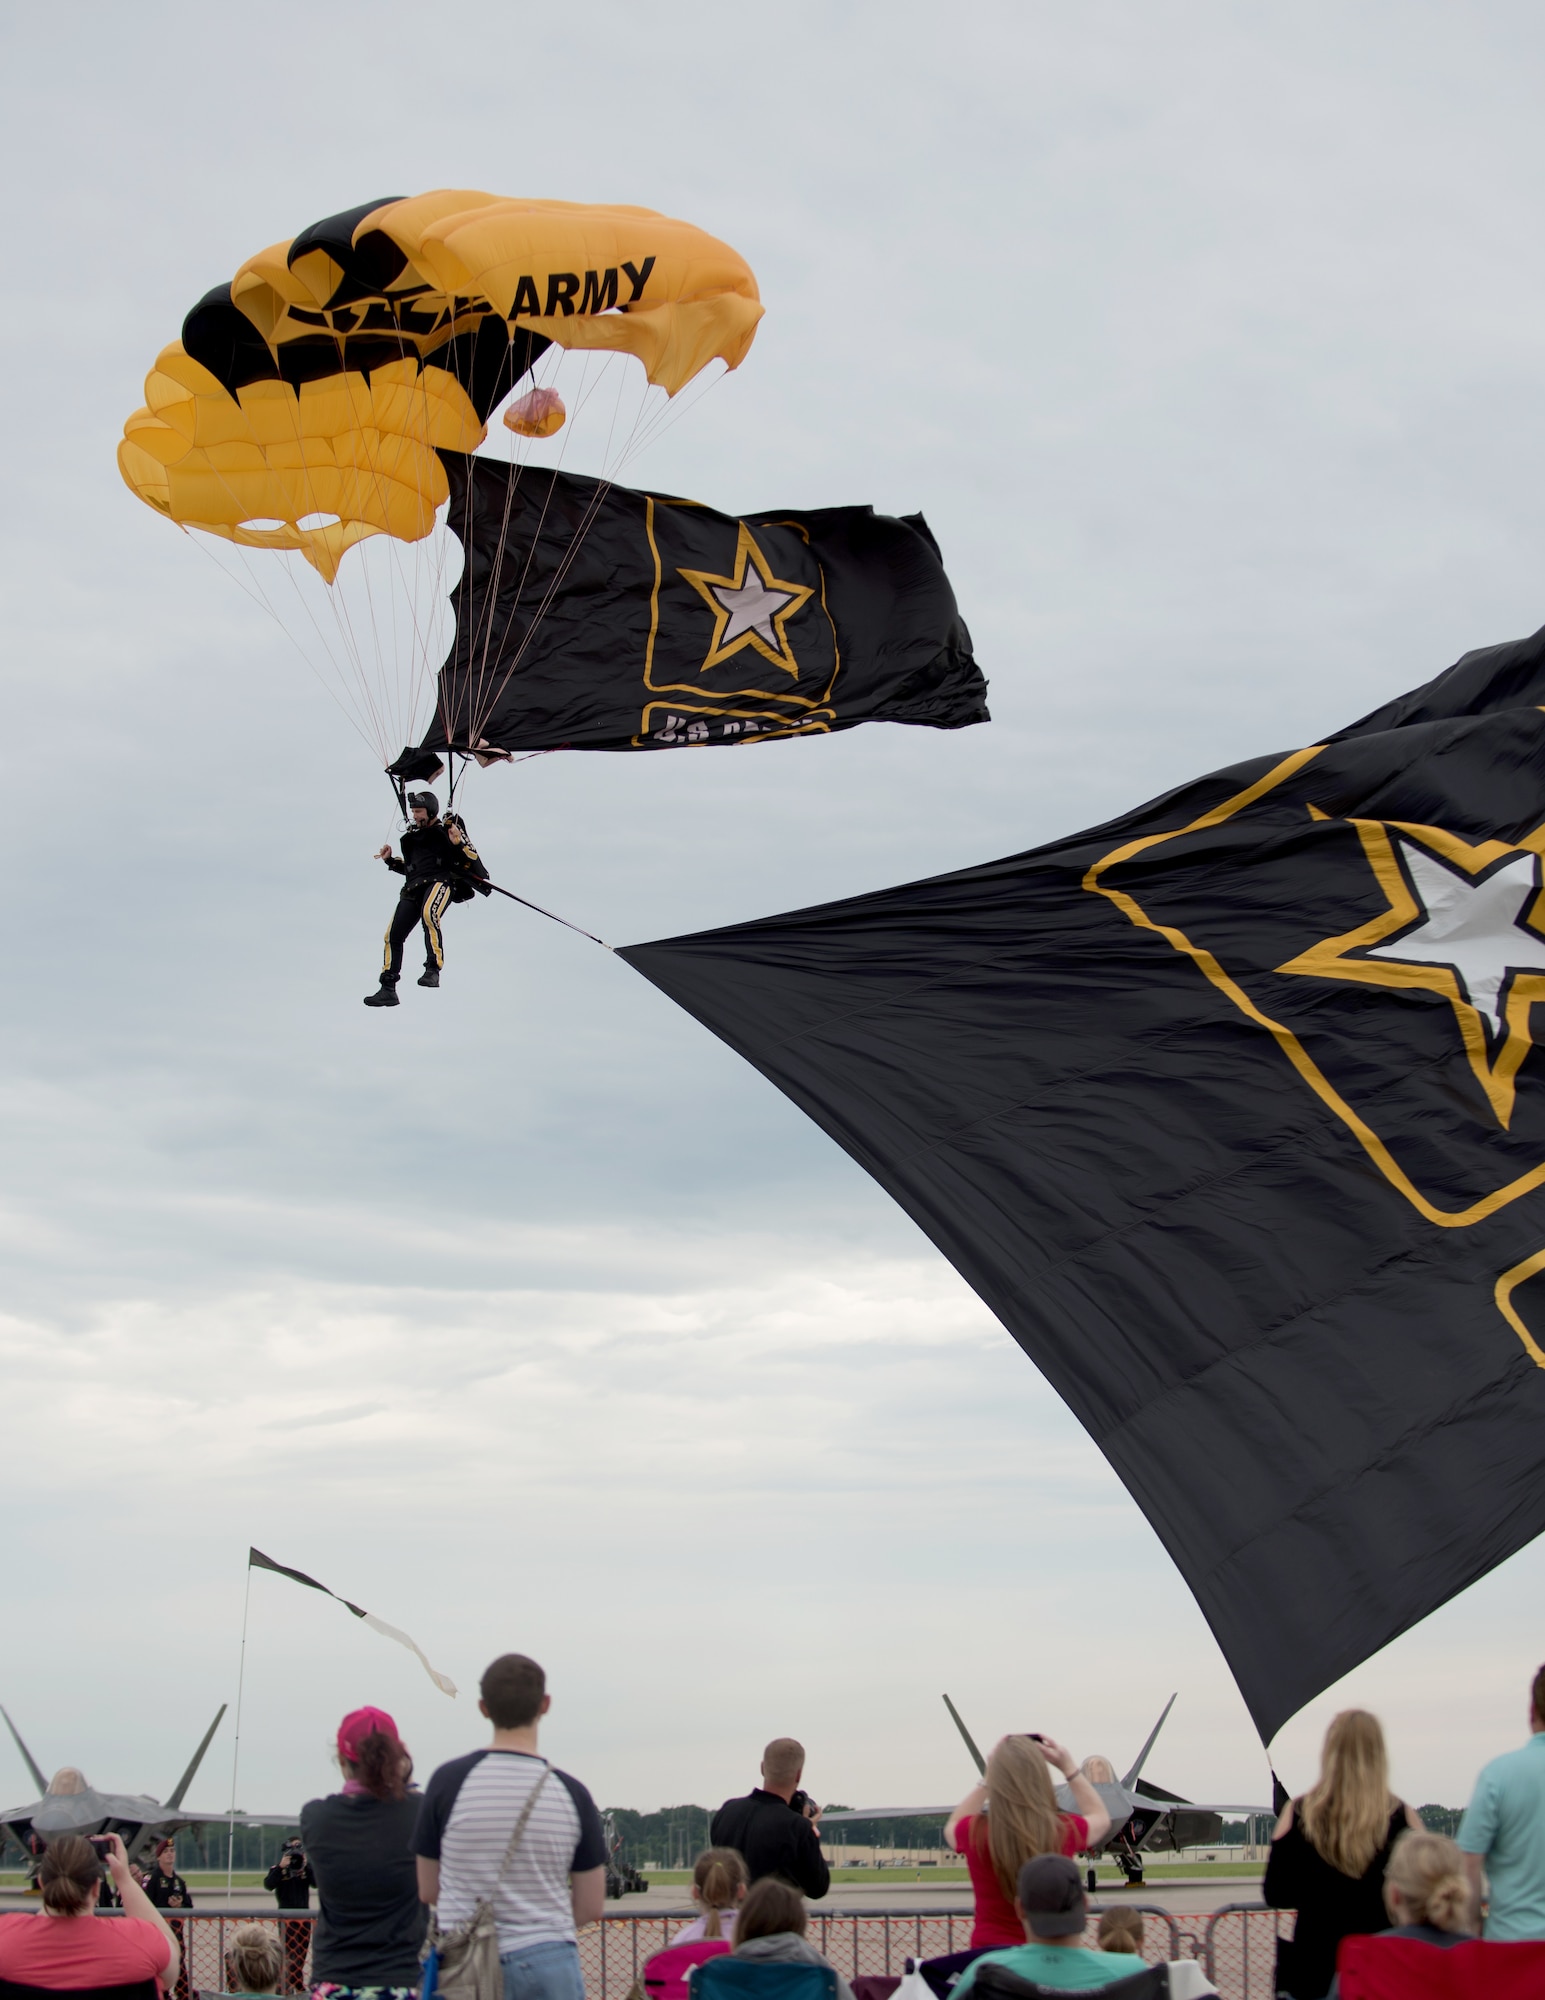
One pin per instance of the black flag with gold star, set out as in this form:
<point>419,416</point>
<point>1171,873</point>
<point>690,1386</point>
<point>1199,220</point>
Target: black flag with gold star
<point>1233,1113</point>
<point>592,617</point>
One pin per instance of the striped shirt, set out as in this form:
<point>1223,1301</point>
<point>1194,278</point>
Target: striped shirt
<point>469,1812</point>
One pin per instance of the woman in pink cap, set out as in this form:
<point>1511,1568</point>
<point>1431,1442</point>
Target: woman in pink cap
<point>358,1842</point>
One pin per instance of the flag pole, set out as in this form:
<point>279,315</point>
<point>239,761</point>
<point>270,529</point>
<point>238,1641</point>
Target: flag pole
<point>241,1675</point>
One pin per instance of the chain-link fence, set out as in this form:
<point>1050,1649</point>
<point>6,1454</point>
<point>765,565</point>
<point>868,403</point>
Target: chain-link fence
<point>879,1942</point>
<point>1236,1945</point>
<point>1238,1949</point>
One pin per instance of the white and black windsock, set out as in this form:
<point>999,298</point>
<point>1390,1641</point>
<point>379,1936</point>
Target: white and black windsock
<point>257,1560</point>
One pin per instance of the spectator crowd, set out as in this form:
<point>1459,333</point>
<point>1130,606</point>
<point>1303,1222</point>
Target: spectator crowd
<point>477,1886</point>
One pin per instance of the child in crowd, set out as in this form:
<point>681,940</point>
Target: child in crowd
<point>718,1888</point>
<point>1121,1930</point>
<point>254,1960</point>
<point>770,1929</point>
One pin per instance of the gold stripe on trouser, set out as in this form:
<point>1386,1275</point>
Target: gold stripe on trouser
<point>386,953</point>
<point>435,905</point>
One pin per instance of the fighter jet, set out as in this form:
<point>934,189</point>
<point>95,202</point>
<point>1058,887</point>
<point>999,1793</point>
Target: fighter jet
<point>69,1805</point>
<point>1144,1818</point>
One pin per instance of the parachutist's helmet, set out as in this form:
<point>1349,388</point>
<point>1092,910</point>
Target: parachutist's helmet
<point>427,800</point>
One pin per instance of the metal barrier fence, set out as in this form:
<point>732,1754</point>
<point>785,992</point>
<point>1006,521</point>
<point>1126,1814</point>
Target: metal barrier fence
<point>205,1935</point>
<point>1236,1945</point>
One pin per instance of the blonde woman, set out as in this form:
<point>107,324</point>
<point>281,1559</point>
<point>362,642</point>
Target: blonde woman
<point>254,1960</point>
<point>1330,1851</point>
<point>1013,1815</point>
<point>1427,1893</point>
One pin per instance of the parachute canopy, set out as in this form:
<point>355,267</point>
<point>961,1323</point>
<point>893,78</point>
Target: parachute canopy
<point>305,403</point>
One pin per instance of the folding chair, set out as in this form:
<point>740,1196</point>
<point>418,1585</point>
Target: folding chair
<point>760,1979</point>
<point>665,1974</point>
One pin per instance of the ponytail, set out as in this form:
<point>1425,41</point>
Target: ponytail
<point>718,1877</point>
<point>378,1765</point>
<point>69,1875</point>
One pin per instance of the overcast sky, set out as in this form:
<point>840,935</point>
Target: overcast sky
<point>1211,341</point>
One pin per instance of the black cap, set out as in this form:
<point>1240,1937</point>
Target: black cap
<point>427,800</point>
<point>1052,1897</point>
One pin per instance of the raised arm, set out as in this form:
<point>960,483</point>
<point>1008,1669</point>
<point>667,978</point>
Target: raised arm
<point>137,1904</point>
<point>1088,1801</point>
<point>969,1806</point>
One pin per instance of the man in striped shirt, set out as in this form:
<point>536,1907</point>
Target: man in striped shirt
<point>556,1879</point>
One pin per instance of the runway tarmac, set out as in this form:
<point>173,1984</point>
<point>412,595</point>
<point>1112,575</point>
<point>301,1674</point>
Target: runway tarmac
<point>1196,1897</point>
<point>906,1897</point>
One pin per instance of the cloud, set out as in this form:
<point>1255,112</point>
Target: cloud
<point>1204,341</point>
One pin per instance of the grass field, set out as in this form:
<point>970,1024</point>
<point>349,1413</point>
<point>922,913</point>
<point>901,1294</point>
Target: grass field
<point>902,1878</point>
<point>209,1878</point>
<point>899,1879</point>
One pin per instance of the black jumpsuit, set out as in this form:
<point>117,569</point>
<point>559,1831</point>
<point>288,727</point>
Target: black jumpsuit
<point>435,868</point>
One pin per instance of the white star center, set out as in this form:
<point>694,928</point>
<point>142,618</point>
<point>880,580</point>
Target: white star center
<point>752,608</point>
<point>1475,927</point>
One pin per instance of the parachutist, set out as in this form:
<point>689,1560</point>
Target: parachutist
<point>442,867</point>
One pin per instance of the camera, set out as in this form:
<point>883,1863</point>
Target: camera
<point>802,1803</point>
<point>103,1844</point>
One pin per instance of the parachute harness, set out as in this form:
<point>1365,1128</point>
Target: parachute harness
<point>399,786</point>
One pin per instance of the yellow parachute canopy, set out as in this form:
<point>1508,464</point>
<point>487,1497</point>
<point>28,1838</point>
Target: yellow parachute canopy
<point>305,403</point>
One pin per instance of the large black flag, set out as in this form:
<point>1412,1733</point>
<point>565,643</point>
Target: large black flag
<point>1232,1112</point>
<point>591,617</point>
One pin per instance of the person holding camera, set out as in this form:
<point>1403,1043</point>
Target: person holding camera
<point>289,1881</point>
<point>63,1949</point>
<point>1011,1817</point>
<point>290,1878</point>
<point>776,1829</point>
<point>442,867</point>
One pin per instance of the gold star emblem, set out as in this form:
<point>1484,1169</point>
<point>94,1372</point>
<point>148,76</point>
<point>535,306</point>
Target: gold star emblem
<point>750,610</point>
<point>1464,921</point>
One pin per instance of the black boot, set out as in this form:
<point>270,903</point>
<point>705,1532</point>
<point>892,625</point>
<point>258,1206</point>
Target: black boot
<point>386,996</point>
<point>430,976</point>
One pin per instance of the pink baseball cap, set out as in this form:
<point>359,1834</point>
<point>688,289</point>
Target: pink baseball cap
<point>357,1725</point>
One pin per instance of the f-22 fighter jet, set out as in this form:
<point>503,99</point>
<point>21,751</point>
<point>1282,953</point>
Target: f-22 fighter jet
<point>69,1805</point>
<point>1144,1818</point>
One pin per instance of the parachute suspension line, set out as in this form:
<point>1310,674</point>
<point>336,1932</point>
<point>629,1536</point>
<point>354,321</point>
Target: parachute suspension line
<point>603,486</point>
<point>259,596</point>
<point>360,696</point>
<point>652,428</point>
<point>481,700</point>
<point>478,710</point>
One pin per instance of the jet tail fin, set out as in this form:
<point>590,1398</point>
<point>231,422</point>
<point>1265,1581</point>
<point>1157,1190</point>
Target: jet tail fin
<point>181,1791</point>
<point>1142,1756</point>
<point>977,1757</point>
<point>26,1755</point>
